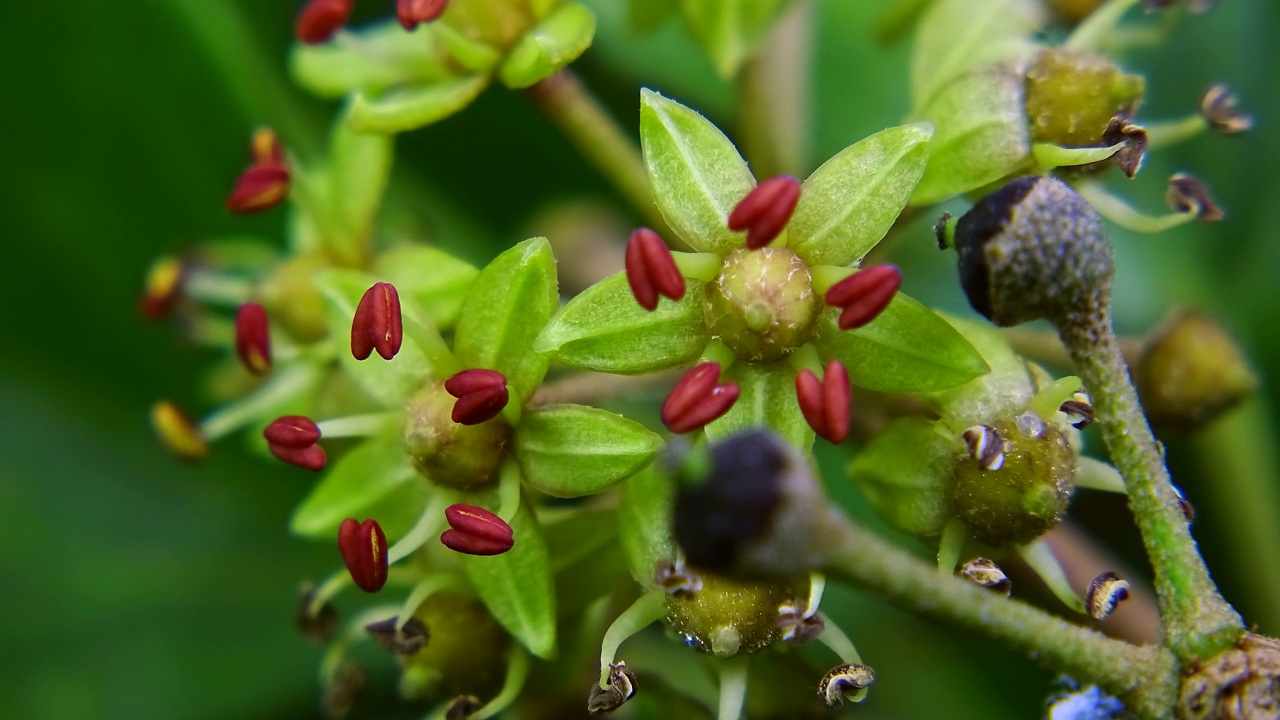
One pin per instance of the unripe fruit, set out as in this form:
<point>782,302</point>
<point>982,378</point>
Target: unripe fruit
<point>727,616</point>
<point>448,453</point>
<point>762,305</point>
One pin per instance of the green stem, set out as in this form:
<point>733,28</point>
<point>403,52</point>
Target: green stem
<point>1197,622</point>
<point>586,124</point>
<point>1146,677</point>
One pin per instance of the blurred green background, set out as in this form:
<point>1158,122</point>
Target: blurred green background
<point>135,587</point>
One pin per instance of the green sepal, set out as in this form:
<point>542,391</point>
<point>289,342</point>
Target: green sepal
<point>554,43</point>
<point>471,54</point>
<point>644,522</point>
<point>359,169</point>
<point>605,329</point>
<point>906,349</point>
<point>905,472</point>
<point>414,106</point>
<point>516,586</point>
<point>434,279</point>
<point>847,205</point>
<point>372,60</point>
<point>957,36</point>
<point>981,134</point>
<point>767,399</point>
<point>372,480</point>
<point>729,31</point>
<point>388,382</point>
<point>696,173</point>
<point>573,450</point>
<point>510,302</point>
<point>1005,389</point>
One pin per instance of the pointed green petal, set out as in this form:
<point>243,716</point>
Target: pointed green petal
<point>696,173</point>
<point>554,43</point>
<point>768,399</point>
<point>906,474</point>
<point>414,106</point>
<point>644,522</point>
<point>373,480</point>
<point>516,586</point>
<point>572,450</point>
<point>434,279</point>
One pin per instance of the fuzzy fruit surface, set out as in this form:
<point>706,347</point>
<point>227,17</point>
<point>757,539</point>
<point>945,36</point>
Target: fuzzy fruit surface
<point>292,300</point>
<point>459,456</point>
<point>1072,96</point>
<point>463,655</point>
<point>728,616</point>
<point>1025,497</point>
<point>762,304</point>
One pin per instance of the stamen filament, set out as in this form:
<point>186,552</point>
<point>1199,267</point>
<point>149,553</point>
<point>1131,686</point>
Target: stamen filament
<point>733,687</point>
<point>817,584</point>
<point>1097,475</point>
<point>430,585</point>
<point>824,276</point>
<point>217,289</point>
<point>517,673</point>
<point>327,590</point>
<point>271,394</point>
<point>343,641</point>
<point>839,643</point>
<point>1039,556</point>
<point>1093,33</point>
<point>356,425</point>
<point>699,266</point>
<point>951,545</point>
<point>1120,213</point>
<point>647,609</point>
<point>1173,132</point>
<point>509,479</point>
<point>429,523</point>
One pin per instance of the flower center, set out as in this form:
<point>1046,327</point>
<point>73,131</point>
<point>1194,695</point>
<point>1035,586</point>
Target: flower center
<point>762,304</point>
<point>458,456</point>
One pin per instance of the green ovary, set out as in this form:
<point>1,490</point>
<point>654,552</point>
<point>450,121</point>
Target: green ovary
<point>762,304</point>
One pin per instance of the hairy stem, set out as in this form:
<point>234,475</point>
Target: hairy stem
<point>1146,677</point>
<point>586,124</point>
<point>1198,622</point>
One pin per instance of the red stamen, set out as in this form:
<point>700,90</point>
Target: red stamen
<point>253,338</point>
<point>864,295</point>
<point>364,550</point>
<point>476,531</point>
<point>651,269</point>
<point>377,324</point>
<point>825,404</point>
<point>698,399</point>
<point>411,13</point>
<point>482,394</point>
<point>321,19</point>
<point>766,210</point>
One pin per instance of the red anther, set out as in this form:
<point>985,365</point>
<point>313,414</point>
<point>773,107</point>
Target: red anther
<point>765,211</point>
<point>476,531</point>
<point>364,550</point>
<point>253,338</point>
<point>412,12</point>
<point>698,399</point>
<point>864,294</point>
<point>651,270</point>
<point>481,395</point>
<point>259,188</point>
<point>163,286</point>
<point>320,19</point>
<point>265,148</point>
<point>180,435</point>
<point>311,457</point>
<point>292,431</point>
<point>825,403</point>
<point>377,324</point>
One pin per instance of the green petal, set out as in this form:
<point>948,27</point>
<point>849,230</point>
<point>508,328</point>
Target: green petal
<point>729,31</point>
<point>696,173</point>
<point>906,349</point>
<point>373,480</point>
<point>435,280</point>
<point>413,106</point>
<point>768,399</point>
<point>847,205</point>
<point>957,36</point>
<point>572,450</point>
<point>982,134</point>
<point>606,330</point>
<point>554,43</point>
<point>388,382</point>
<point>509,304</point>
<point>371,60</point>
<point>906,474</point>
<point>988,396</point>
<point>516,587</point>
<point>644,522</point>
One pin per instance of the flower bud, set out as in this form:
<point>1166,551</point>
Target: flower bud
<point>253,338</point>
<point>825,403</point>
<point>411,13</point>
<point>320,19</point>
<point>364,550</point>
<point>482,394</point>
<point>179,434</point>
<point>847,682</point>
<point>864,295</point>
<point>377,324</point>
<point>762,304</point>
<point>698,399</point>
<point>476,531</point>
<point>1072,97</point>
<point>1034,249</point>
<point>1191,371</point>
<point>765,210</point>
<point>651,270</point>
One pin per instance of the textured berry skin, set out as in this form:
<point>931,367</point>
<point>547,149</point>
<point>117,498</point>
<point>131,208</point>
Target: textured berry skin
<point>727,617</point>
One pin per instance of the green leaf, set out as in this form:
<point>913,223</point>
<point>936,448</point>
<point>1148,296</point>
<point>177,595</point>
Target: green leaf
<point>768,399</point>
<point>359,168</point>
<point>413,106</point>
<point>606,330</point>
<point>516,586</point>
<point>388,382</point>
<point>957,36</point>
<point>907,349</point>
<point>510,302</point>
<point>982,135</point>
<point>906,474</point>
<point>729,31</point>
<point>434,279</point>
<point>644,522</point>
<point>372,480</point>
<point>847,205</point>
<point>372,60</point>
<point>696,173</point>
<point>988,396</point>
<point>554,43</point>
<point>572,450</point>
